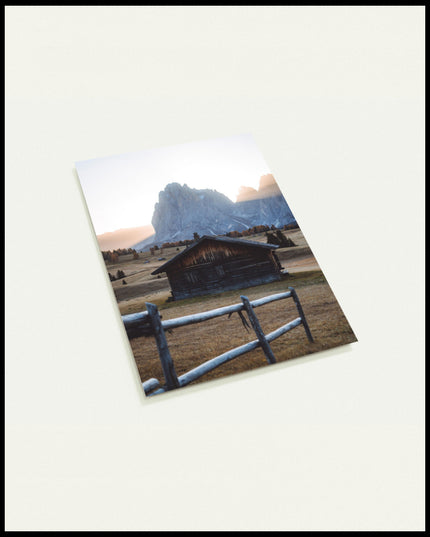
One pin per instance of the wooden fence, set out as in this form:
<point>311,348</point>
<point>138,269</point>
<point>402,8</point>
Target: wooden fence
<point>149,323</point>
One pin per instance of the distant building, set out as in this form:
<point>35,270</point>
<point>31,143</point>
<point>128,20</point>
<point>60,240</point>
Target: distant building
<point>215,264</point>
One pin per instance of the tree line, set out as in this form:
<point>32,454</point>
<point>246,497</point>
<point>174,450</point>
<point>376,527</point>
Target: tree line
<point>274,238</point>
<point>232,234</point>
<point>113,255</point>
<point>118,276</point>
<point>278,238</point>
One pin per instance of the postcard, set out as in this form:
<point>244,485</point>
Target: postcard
<point>209,267</point>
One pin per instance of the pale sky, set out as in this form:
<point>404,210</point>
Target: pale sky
<point>121,191</point>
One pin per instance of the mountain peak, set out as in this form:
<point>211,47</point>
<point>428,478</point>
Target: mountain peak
<point>246,193</point>
<point>267,188</point>
<point>182,210</point>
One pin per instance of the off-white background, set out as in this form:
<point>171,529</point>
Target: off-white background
<point>334,99</point>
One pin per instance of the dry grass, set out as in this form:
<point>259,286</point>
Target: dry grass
<point>192,345</point>
<point>143,287</point>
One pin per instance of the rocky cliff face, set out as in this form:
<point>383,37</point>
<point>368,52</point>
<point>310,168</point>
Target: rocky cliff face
<point>266,205</point>
<point>181,211</point>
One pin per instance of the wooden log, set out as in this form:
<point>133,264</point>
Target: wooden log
<point>161,390</point>
<point>301,313</point>
<point>270,298</point>
<point>283,329</point>
<point>131,318</point>
<point>163,348</point>
<point>213,363</point>
<point>258,330</point>
<point>150,385</point>
<point>137,324</point>
<point>206,315</point>
<point>200,317</point>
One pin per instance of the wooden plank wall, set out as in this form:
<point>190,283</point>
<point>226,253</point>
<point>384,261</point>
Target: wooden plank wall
<point>215,267</point>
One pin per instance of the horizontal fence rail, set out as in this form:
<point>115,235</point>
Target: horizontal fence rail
<point>149,323</point>
<point>139,324</point>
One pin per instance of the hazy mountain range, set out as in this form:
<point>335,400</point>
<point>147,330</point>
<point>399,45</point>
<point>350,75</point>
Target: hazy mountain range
<point>181,211</point>
<point>124,238</point>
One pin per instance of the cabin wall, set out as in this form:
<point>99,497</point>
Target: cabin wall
<point>217,267</point>
<point>216,252</point>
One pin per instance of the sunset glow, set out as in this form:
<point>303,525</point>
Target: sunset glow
<point>121,191</point>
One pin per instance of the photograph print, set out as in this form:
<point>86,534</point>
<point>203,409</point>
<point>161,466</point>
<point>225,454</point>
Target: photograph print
<point>208,265</point>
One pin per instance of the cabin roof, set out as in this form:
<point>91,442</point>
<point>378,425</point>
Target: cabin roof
<point>227,240</point>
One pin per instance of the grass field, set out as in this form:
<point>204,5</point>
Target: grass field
<point>143,287</point>
<point>192,345</point>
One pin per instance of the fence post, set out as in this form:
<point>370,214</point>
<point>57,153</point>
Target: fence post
<point>301,313</point>
<point>172,381</point>
<point>258,330</point>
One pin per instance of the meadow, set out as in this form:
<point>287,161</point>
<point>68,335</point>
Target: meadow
<point>192,345</point>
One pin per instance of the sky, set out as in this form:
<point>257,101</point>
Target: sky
<point>121,190</point>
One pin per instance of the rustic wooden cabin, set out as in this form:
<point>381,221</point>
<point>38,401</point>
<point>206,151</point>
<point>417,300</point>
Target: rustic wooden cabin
<point>216,264</point>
